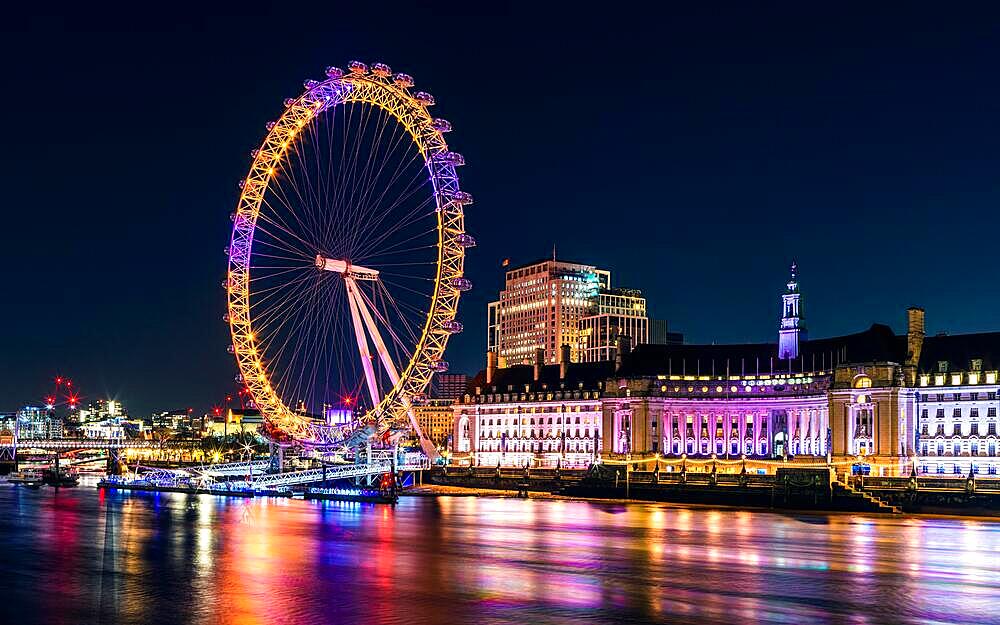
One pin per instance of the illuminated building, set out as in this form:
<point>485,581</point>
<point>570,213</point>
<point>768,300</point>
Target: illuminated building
<point>436,419</point>
<point>618,312</point>
<point>38,422</point>
<point>874,396</point>
<point>177,420</point>
<point>448,385</point>
<point>542,415</point>
<point>956,403</point>
<point>245,421</point>
<point>99,410</point>
<point>791,330</point>
<point>114,427</point>
<point>551,303</point>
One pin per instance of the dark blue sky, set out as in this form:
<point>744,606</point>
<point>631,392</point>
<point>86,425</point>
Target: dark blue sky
<point>694,152</point>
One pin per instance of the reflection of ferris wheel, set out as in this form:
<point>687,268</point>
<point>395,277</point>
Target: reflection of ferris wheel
<point>346,259</point>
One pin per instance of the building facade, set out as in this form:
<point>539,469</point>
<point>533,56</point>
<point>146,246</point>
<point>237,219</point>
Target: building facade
<point>872,397</point>
<point>436,420</point>
<point>540,307</point>
<point>539,415</point>
<point>618,312</point>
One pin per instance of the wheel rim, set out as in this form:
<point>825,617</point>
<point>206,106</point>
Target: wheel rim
<point>289,400</point>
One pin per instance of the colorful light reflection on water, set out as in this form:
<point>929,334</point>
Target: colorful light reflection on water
<point>78,556</point>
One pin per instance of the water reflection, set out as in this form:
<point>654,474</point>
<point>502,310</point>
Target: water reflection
<point>78,556</point>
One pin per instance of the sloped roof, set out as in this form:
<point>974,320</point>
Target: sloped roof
<point>959,350</point>
<point>876,344</point>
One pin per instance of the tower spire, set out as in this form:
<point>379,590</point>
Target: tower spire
<point>791,329</point>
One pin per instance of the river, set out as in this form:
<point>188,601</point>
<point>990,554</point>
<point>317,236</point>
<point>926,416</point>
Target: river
<point>82,556</point>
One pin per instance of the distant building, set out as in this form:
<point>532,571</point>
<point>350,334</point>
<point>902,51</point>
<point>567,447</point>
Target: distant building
<point>38,423</point>
<point>448,385</point>
<point>99,410</point>
<point>435,418</point>
<point>236,421</point>
<point>616,313</point>
<point>540,307</point>
<point>115,427</point>
<point>182,420</point>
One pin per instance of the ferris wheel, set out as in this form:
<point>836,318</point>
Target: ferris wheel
<point>346,260</point>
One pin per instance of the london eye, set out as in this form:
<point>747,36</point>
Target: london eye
<point>346,260</point>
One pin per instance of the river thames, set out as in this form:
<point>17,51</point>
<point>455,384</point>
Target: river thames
<point>82,556</point>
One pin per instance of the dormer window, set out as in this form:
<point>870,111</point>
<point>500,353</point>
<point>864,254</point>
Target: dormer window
<point>977,364</point>
<point>942,366</point>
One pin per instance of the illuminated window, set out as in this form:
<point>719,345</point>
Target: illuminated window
<point>862,381</point>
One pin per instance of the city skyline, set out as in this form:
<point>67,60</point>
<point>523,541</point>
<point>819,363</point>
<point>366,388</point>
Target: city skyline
<point>748,164</point>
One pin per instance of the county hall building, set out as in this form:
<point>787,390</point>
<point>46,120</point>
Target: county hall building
<point>887,398</point>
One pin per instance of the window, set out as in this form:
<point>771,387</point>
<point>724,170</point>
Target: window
<point>974,429</point>
<point>974,413</point>
<point>992,395</point>
<point>977,364</point>
<point>940,413</point>
<point>956,397</point>
<point>974,396</point>
<point>957,431</point>
<point>956,413</point>
<point>991,430</point>
<point>942,366</point>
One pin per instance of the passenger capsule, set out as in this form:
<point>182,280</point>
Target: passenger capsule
<point>289,102</point>
<point>358,68</point>
<point>254,153</point>
<point>453,326</point>
<point>230,348</point>
<point>424,98</point>
<point>459,197</point>
<point>334,72</point>
<point>269,125</point>
<point>452,158</point>
<point>466,240</point>
<point>381,70</point>
<point>441,125</point>
<point>310,84</point>
<point>403,80</point>
<point>462,284</point>
<point>440,366</point>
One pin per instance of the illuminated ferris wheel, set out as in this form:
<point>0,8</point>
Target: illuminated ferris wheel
<point>346,260</point>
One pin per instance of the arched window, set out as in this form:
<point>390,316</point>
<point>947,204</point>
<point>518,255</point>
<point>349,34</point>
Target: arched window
<point>862,381</point>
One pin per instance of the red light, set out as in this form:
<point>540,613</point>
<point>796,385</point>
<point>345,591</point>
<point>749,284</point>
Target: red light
<point>69,383</point>
<point>229,398</point>
<point>190,410</point>
<point>58,380</point>
<point>347,401</point>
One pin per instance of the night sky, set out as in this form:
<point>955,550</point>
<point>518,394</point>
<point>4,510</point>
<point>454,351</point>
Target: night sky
<point>694,153</point>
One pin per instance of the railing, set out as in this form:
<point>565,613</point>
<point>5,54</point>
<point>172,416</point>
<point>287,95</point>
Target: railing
<point>278,481</point>
<point>233,468</point>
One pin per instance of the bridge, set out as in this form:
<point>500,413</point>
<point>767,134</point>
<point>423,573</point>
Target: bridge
<point>69,444</point>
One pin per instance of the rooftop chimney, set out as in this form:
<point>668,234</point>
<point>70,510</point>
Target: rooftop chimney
<point>563,361</point>
<point>915,332</point>
<point>491,366</point>
<point>539,362</point>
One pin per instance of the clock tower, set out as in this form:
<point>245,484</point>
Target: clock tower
<point>791,330</point>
